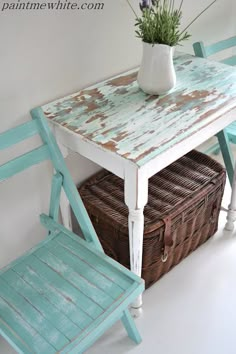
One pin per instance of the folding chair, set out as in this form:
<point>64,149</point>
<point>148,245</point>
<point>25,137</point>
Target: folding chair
<point>64,293</point>
<point>228,134</point>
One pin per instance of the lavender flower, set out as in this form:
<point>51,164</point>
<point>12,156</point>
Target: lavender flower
<point>145,4</point>
<point>160,21</point>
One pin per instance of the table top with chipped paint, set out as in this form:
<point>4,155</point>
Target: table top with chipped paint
<point>118,117</point>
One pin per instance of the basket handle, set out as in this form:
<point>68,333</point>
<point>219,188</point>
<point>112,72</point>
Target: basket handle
<point>168,241</point>
<point>214,211</point>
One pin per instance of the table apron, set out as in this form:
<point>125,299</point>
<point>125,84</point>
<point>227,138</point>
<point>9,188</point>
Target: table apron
<point>121,166</point>
<point>111,162</point>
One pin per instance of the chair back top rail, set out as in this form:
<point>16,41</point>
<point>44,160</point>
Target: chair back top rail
<point>23,162</point>
<point>18,134</point>
<point>205,51</point>
<point>14,136</point>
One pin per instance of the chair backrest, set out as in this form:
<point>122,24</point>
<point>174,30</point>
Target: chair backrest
<point>14,136</point>
<point>49,150</point>
<point>203,51</point>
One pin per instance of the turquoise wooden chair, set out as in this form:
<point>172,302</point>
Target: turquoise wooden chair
<point>229,134</point>
<point>64,293</point>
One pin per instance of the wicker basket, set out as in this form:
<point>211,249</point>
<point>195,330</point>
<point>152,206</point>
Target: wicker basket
<point>182,212</point>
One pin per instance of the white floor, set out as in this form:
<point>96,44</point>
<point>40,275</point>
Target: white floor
<point>191,310</point>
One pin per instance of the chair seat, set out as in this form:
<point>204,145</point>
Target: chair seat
<point>231,131</point>
<point>53,298</point>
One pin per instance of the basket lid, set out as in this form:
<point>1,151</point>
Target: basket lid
<point>169,190</point>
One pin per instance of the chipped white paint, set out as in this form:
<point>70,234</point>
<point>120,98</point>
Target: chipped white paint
<point>133,135</point>
<point>136,197</point>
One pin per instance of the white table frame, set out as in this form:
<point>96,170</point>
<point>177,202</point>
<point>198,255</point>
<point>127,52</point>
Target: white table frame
<point>136,178</point>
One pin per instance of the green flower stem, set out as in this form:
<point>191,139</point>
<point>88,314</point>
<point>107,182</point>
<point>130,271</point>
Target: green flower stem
<point>132,8</point>
<point>160,22</point>
<point>197,17</point>
<point>180,6</point>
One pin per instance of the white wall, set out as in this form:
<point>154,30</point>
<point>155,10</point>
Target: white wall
<point>45,55</point>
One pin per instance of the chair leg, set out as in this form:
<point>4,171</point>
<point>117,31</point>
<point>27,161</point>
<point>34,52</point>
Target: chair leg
<point>130,327</point>
<point>217,150</point>
<point>227,154</point>
<point>213,150</point>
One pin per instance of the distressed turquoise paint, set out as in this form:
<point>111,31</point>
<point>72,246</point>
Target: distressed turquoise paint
<point>229,61</point>
<point>221,45</point>
<point>55,299</point>
<point>132,331</point>
<point>21,163</point>
<point>18,134</point>
<point>116,115</point>
<point>231,132</point>
<point>227,154</point>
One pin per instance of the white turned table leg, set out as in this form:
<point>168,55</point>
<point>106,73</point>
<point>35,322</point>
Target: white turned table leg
<point>136,196</point>
<point>136,228</point>
<point>231,215</point>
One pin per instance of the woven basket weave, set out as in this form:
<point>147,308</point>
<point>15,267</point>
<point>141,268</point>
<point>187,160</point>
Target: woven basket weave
<point>181,214</point>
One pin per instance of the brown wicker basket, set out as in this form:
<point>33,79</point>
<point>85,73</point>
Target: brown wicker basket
<point>181,214</point>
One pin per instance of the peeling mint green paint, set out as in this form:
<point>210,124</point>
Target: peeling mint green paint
<point>63,294</point>
<point>119,117</point>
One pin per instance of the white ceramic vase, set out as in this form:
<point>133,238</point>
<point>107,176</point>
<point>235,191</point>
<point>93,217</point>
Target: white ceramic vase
<point>157,73</point>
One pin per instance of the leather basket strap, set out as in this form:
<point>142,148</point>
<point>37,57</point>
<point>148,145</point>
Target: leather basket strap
<point>168,241</point>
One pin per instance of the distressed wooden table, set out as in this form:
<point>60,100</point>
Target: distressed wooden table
<point>133,135</point>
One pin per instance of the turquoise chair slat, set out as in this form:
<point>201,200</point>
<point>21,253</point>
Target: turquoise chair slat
<point>231,132</point>
<point>19,328</point>
<point>8,331</point>
<point>23,162</point>
<point>106,320</point>
<point>220,46</point>
<point>63,294</point>
<point>228,134</point>
<point>84,276</point>
<point>32,316</point>
<point>61,321</point>
<point>229,61</point>
<point>203,51</point>
<point>63,278</point>
<point>30,274</point>
<point>227,154</point>
<point>125,278</point>
<point>16,135</point>
<point>63,285</point>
